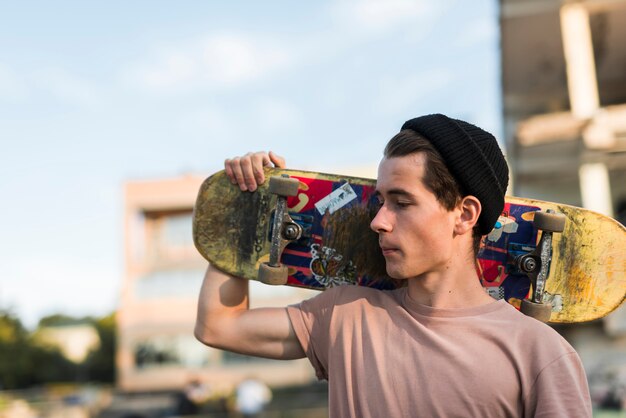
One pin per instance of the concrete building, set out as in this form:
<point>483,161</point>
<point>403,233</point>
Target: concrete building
<point>163,273</point>
<point>564,106</point>
<point>564,100</point>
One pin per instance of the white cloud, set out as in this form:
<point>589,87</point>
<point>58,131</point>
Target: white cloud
<point>236,59</point>
<point>218,126</point>
<point>173,69</point>
<point>227,60</point>
<point>209,122</point>
<point>381,14</point>
<point>398,93</point>
<point>58,83</point>
<point>66,87</point>
<point>12,86</point>
<point>217,61</point>
<point>276,115</point>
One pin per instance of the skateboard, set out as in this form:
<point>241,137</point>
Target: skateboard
<point>555,262</point>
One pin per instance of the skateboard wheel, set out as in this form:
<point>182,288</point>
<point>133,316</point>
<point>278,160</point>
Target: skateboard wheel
<point>550,222</point>
<point>539,311</point>
<point>273,275</point>
<point>284,186</point>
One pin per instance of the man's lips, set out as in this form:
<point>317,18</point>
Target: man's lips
<point>387,250</point>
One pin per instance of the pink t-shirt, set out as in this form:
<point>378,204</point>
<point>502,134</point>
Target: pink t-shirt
<point>385,355</point>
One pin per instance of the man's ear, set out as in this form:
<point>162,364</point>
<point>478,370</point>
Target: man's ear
<point>469,211</point>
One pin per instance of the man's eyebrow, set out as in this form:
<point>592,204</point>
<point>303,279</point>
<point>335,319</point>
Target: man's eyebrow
<point>394,192</point>
<point>400,192</point>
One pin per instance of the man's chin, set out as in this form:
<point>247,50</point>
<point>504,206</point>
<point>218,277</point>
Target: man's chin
<point>401,274</point>
<point>396,275</point>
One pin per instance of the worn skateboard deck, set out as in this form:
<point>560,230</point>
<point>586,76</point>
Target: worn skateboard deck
<point>232,230</point>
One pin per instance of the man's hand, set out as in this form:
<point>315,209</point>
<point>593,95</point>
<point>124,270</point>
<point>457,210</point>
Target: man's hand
<point>247,171</point>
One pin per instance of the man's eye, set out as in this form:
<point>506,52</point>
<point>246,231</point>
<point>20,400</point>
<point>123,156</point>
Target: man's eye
<point>377,204</point>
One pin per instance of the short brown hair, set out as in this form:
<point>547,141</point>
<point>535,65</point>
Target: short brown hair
<point>437,177</point>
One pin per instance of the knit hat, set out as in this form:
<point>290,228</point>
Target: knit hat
<point>474,159</point>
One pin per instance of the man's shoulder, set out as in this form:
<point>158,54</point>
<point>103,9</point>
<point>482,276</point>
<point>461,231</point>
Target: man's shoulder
<point>534,334</point>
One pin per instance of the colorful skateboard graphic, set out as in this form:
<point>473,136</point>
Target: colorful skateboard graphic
<point>514,231</point>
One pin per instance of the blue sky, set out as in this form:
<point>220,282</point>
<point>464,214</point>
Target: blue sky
<point>96,93</point>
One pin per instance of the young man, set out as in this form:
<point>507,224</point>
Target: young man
<point>439,346</point>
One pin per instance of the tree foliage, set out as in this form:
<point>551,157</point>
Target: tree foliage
<point>100,364</point>
<point>26,362</point>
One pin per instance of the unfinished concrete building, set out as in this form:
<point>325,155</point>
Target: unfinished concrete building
<point>564,105</point>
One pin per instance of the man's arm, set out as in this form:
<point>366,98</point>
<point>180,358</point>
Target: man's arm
<point>224,319</point>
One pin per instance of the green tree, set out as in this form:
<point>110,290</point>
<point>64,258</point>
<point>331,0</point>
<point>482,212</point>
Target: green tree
<point>100,363</point>
<point>23,362</point>
<point>14,366</point>
<point>61,319</point>
<point>27,361</point>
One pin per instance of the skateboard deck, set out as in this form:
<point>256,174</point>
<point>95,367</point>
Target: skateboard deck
<point>233,230</point>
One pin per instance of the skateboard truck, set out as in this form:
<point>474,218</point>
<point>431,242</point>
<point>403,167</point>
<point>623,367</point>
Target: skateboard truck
<point>284,230</point>
<point>536,264</point>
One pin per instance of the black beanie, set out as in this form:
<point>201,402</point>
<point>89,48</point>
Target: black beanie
<point>474,159</point>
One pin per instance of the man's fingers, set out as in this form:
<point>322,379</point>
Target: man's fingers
<point>247,171</point>
<point>259,160</point>
<point>277,160</point>
<point>229,170</point>
<point>246,163</point>
<point>238,173</point>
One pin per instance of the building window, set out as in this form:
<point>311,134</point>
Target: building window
<point>169,237</point>
<point>155,353</point>
<point>230,358</point>
<point>177,350</point>
<point>177,230</point>
<point>169,283</point>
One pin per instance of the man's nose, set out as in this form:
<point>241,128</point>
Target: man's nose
<point>382,221</point>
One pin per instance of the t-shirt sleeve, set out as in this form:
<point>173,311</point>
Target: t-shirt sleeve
<point>310,320</point>
<point>560,390</point>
